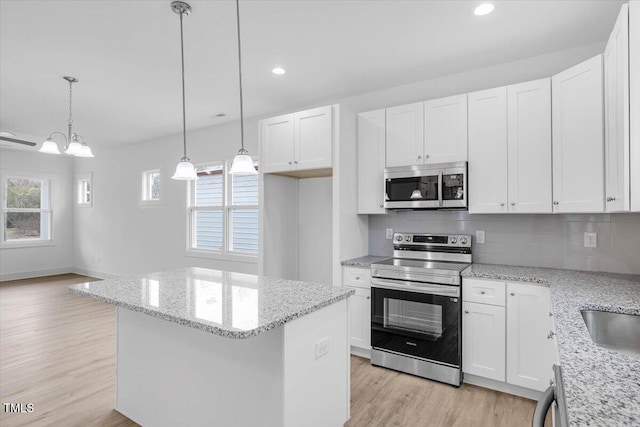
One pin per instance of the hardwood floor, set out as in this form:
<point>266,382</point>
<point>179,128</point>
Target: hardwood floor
<point>57,351</point>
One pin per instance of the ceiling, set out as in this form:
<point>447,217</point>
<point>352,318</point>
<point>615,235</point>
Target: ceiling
<point>126,55</point>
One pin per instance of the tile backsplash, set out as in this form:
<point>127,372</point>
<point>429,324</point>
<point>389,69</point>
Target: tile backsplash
<point>554,241</point>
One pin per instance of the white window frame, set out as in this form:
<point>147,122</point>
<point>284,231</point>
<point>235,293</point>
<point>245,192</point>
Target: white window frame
<point>145,190</point>
<point>81,180</point>
<point>27,243</point>
<point>226,208</point>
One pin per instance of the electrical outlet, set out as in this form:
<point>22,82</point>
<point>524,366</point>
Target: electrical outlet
<point>479,236</point>
<point>322,347</point>
<point>590,240</point>
<point>389,233</point>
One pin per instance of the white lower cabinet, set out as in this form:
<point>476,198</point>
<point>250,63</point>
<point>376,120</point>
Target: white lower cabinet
<point>528,336</point>
<point>510,339</point>
<point>360,312</point>
<point>483,346</point>
<point>359,279</point>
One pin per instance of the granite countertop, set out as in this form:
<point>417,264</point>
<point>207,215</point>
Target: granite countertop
<point>601,387</point>
<point>232,305</point>
<point>363,261</point>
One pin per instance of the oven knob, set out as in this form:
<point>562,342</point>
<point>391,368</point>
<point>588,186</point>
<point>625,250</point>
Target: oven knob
<point>407,238</point>
<point>453,240</point>
<point>399,238</point>
<point>463,240</point>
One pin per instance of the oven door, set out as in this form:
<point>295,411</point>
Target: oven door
<point>417,319</point>
<point>454,187</point>
<point>412,188</point>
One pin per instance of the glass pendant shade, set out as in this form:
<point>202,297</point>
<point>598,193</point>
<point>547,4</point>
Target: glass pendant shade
<point>416,194</point>
<point>243,164</point>
<point>185,171</point>
<point>85,151</point>
<point>49,147</point>
<point>74,148</point>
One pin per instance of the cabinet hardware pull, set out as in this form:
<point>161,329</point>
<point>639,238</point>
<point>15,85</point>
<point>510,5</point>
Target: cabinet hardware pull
<point>551,334</point>
<point>427,156</point>
<point>550,381</point>
<point>555,202</point>
<point>513,294</point>
<point>368,297</point>
<point>550,314</point>
<point>502,204</point>
<point>513,203</point>
<point>296,162</point>
<point>382,206</point>
<point>419,157</point>
<point>482,292</point>
<point>466,312</point>
<point>290,163</point>
<point>357,277</point>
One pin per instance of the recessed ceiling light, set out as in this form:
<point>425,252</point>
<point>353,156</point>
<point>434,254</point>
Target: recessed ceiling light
<point>278,71</point>
<point>483,9</point>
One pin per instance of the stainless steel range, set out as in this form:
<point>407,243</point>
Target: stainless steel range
<point>416,319</point>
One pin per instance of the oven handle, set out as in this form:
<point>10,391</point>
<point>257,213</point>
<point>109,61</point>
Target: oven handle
<point>423,288</point>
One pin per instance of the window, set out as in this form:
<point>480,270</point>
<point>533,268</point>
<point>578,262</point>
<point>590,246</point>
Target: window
<point>151,186</point>
<point>84,191</point>
<point>223,211</point>
<point>26,209</point>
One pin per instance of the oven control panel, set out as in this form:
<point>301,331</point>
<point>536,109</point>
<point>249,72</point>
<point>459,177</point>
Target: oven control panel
<point>451,240</point>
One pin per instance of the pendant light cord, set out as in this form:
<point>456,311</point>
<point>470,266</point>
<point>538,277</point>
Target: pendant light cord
<point>240,76</point>
<point>70,121</point>
<point>184,116</point>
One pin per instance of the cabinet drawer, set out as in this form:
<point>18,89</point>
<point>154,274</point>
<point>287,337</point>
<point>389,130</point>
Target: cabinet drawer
<point>483,291</point>
<point>356,277</point>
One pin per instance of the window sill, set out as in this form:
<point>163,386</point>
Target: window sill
<point>84,205</point>
<point>149,203</point>
<point>27,244</point>
<point>249,259</point>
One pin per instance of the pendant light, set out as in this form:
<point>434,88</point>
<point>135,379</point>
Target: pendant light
<point>184,170</point>
<point>72,144</point>
<point>242,162</point>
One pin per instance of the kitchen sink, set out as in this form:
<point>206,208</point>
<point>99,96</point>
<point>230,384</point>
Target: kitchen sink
<point>614,331</point>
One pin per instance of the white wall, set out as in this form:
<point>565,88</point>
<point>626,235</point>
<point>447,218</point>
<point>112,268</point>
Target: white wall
<point>118,235</point>
<point>17,263</point>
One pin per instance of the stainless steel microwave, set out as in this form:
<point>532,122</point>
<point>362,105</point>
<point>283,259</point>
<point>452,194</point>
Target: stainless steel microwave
<point>435,186</point>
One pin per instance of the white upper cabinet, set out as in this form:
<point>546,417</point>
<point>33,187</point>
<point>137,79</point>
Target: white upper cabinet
<point>276,153</point>
<point>313,138</point>
<point>445,127</point>
<point>528,335</point>
<point>488,151</point>
<point>578,146</point>
<point>529,146</point>
<point>297,142</point>
<point>616,125</point>
<point>371,162</point>
<point>405,135</point>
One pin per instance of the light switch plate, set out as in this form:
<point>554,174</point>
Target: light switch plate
<point>479,236</point>
<point>389,233</point>
<point>590,240</point>
<point>322,347</point>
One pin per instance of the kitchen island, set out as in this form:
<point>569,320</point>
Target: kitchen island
<point>202,347</point>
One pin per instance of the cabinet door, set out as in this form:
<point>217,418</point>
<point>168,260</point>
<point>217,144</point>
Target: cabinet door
<point>488,151</point>
<point>616,124</point>
<point>405,135</point>
<point>371,161</point>
<point>276,147</point>
<point>528,354</point>
<point>483,340</point>
<point>445,130</point>
<point>313,138</point>
<point>529,146</point>
<point>578,145</point>
<point>360,312</point>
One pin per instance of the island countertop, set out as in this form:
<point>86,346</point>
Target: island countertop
<point>233,305</point>
<point>601,387</point>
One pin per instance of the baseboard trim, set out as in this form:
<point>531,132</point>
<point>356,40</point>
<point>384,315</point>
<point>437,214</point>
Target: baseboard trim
<point>502,387</point>
<point>361,352</point>
<point>34,274</point>
<point>94,273</point>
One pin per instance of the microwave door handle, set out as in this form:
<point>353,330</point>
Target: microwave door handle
<point>440,189</point>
